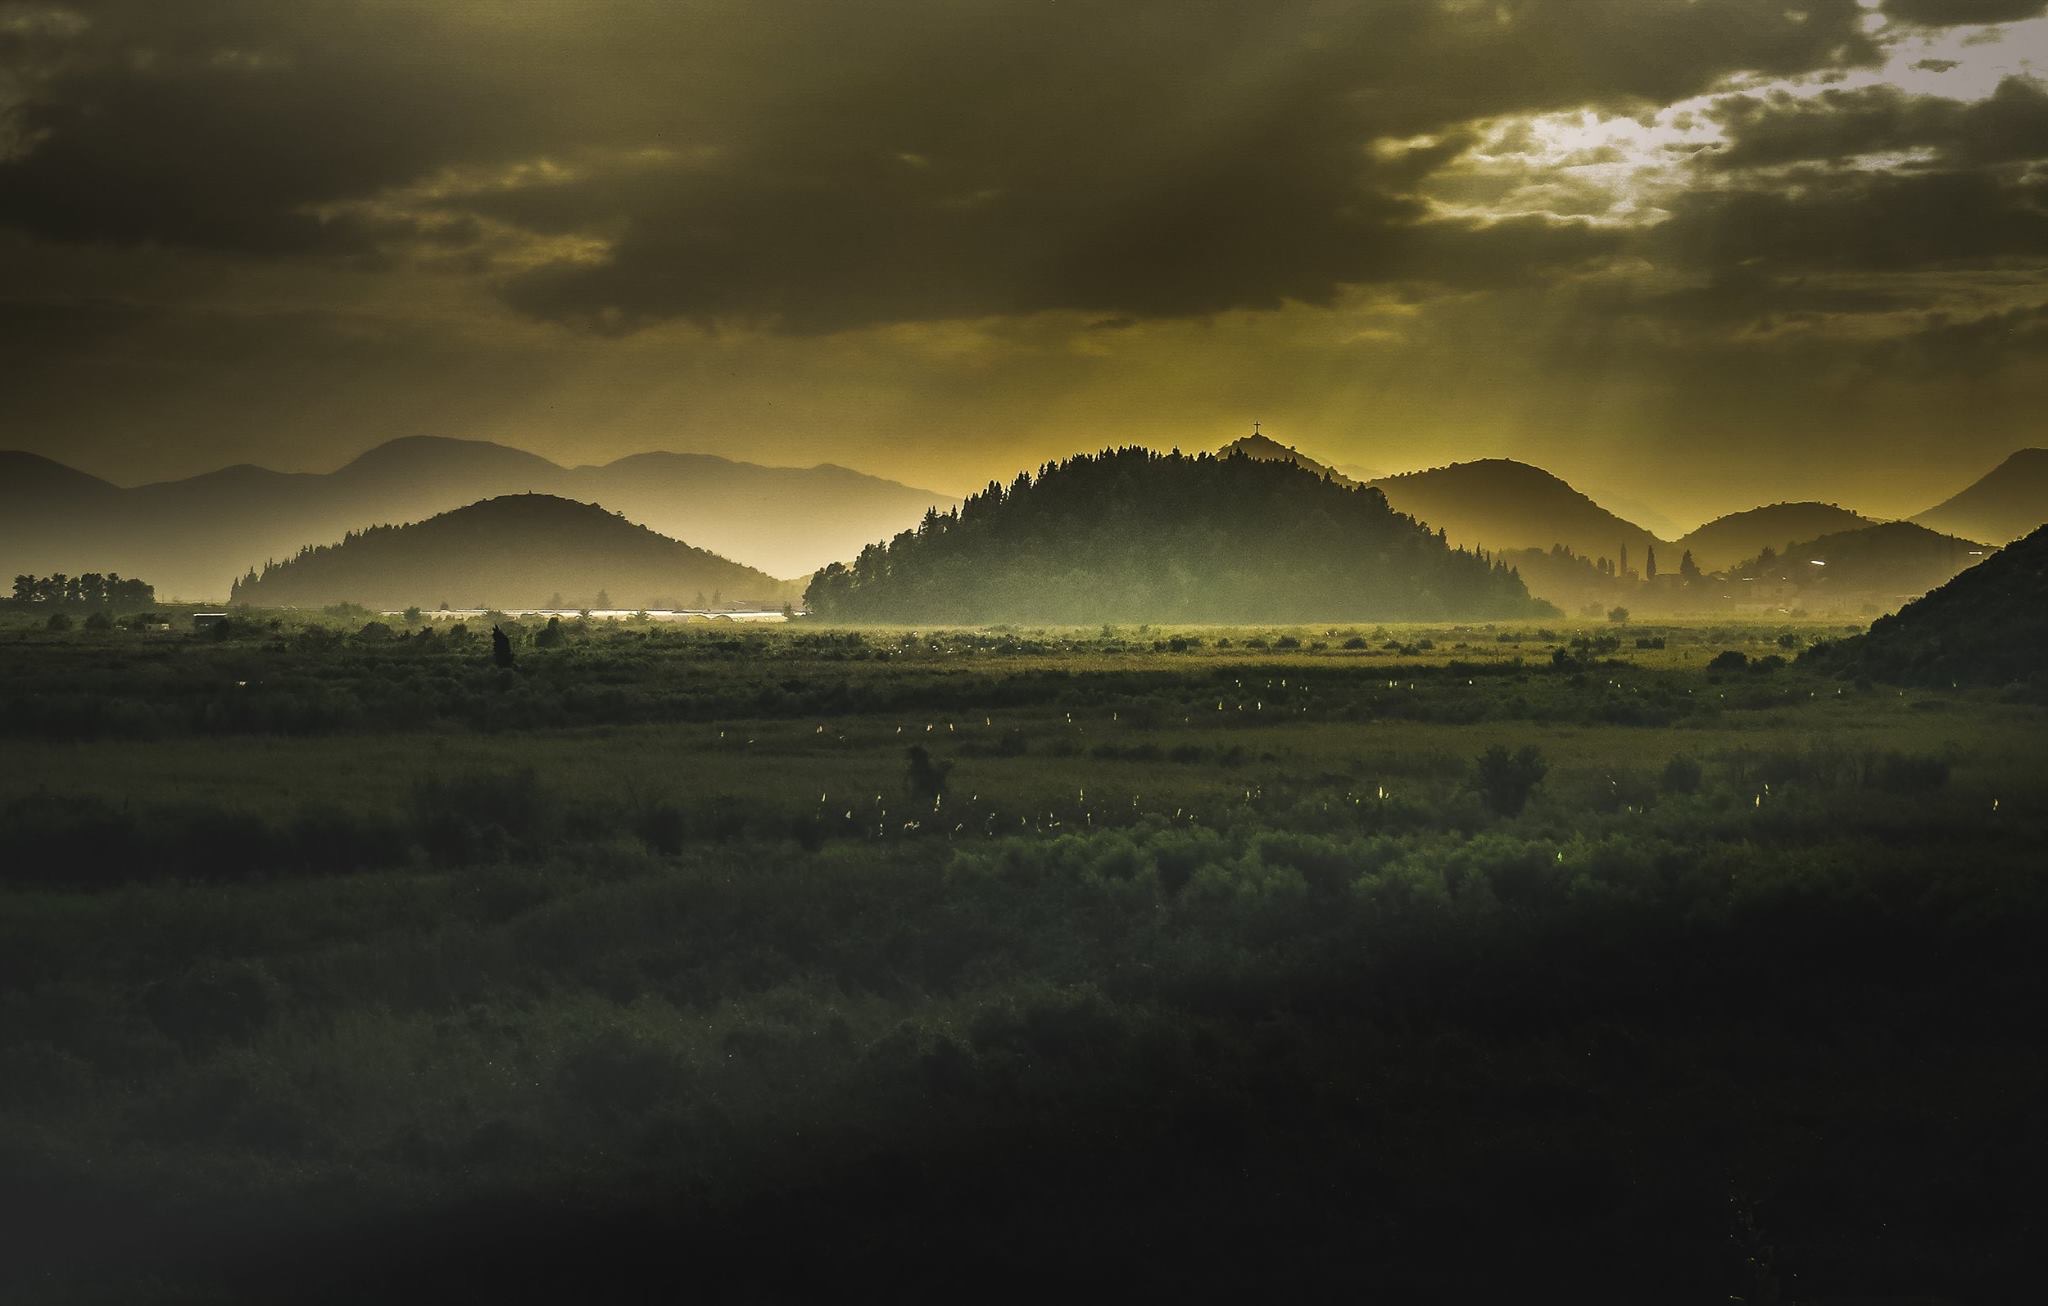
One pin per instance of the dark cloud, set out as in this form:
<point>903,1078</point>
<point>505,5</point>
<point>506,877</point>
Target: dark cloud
<point>1869,222</point>
<point>1952,13</point>
<point>1170,165</point>
<point>1836,125</point>
<point>825,165</point>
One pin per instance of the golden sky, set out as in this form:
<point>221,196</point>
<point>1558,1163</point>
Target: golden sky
<point>1694,254</point>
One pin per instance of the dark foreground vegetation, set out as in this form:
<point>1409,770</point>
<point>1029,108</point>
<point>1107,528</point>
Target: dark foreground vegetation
<point>1409,964</point>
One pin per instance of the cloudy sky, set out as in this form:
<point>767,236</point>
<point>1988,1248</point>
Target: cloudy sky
<point>1696,254</point>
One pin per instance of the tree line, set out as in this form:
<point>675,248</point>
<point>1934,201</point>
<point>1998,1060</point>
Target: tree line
<point>91,589</point>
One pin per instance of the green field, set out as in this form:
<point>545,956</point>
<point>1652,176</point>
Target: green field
<point>1192,962</point>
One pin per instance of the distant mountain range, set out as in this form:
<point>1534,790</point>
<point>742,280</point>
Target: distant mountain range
<point>192,538</point>
<point>1497,503</point>
<point>1886,563</point>
<point>1134,535</point>
<point>2009,502</point>
<point>516,551</point>
<point>1740,536</point>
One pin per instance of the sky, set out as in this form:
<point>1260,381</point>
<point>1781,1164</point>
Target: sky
<point>1692,254</point>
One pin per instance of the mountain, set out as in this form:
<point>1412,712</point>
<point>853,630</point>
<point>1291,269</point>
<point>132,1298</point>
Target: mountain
<point>2009,501</point>
<point>517,551</point>
<point>786,520</point>
<point>1740,536</point>
<point>1986,626</point>
<point>27,479</point>
<point>1266,449</point>
<point>1132,535</point>
<point>1889,563</point>
<point>192,537</point>
<point>1497,503</point>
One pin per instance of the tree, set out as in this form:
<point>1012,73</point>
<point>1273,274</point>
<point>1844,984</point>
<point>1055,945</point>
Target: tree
<point>1618,615</point>
<point>1688,570</point>
<point>604,599</point>
<point>1622,566</point>
<point>923,778</point>
<point>1506,780</point>
<point>501,647</point>
<point>1650,564</point>
<point>24,589</point>
<point>412,615</point>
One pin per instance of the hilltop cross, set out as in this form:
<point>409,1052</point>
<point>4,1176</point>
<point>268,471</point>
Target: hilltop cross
<point>1255,428</point>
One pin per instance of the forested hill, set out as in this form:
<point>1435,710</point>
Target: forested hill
<point>1134,535</point>
<point>516,551</point>
<point>1986,626</point>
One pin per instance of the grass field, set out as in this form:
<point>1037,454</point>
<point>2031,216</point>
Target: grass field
<point>1204,963</point>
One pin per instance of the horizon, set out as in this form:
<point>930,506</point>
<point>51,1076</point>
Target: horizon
<point>1696,257</point>
<point>1618,505</point>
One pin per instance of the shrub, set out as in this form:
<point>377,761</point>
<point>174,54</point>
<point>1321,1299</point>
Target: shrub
<point>617,1074</point>
<point>98,622</point>
<point>1506,780</point>
<point>482,817</point>
<point>1682,775</point>
<point>214,1000</point>
<point>58,621</point>
<point>1907,773</point>
<point>922,777</point>
<point>1729,660</point>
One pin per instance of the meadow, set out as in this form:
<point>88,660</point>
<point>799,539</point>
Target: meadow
<point>1428,962</point>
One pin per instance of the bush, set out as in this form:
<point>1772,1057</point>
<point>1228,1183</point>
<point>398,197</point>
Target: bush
<point>1618,615</point>
<point>1907,773</point>
<point>58,621</point>
<point>99,622</point>
<point>1506,780</point>
<point>922,777</point>
<point>1682,775</point>
<point>475,818</point>
<point>213,1001</point>
<point>1729,660</point>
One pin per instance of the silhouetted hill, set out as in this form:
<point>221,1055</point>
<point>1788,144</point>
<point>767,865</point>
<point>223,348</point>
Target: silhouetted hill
<point>1497,503</point>
<point>1886,564</point>
<point>27,479</point>
<point>786,520</point>
<point>2009,501</point>
<point>192,537</point>
<point>1986,626</point>
<point>1132,535</point>
<point>1360,472</point>
<point>1740,536</point>
<point>1267,449</point>
<point>518,551</point>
